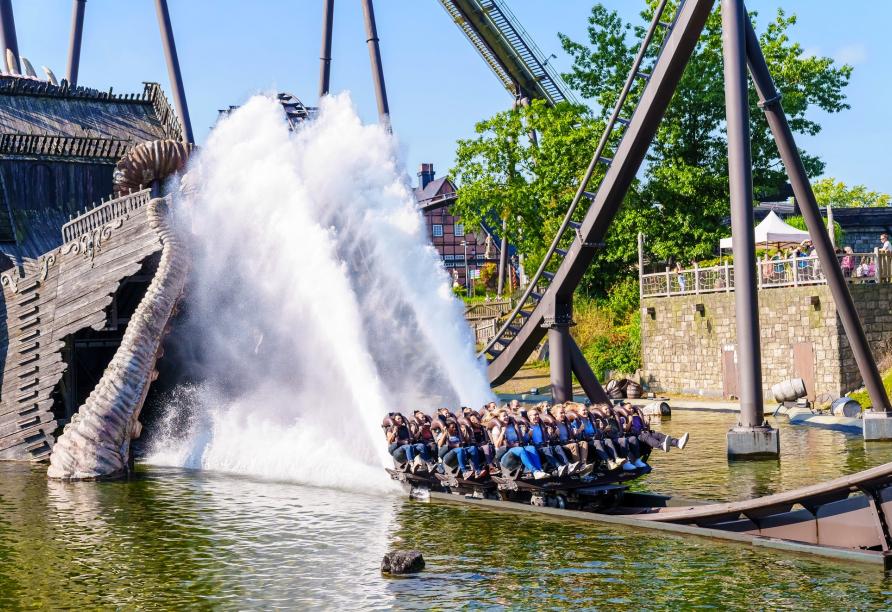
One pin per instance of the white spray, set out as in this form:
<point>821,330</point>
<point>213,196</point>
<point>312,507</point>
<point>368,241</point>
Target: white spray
<point>316,304</point>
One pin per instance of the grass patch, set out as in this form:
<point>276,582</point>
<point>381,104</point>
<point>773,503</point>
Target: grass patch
<point>861,396</point>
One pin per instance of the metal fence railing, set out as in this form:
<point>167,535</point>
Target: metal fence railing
<point>484,330</point>
<point>873,267</point>
<point>489,310</point>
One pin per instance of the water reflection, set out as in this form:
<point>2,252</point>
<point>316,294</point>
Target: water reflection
<point>174,539</point>
<point>808,455</point>
<point>487,558</point>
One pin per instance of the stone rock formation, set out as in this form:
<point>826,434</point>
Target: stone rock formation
<point>402,562</point>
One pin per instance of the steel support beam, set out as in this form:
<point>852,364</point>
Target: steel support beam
<point>770,102</point>
<point>740,180</point>
<point>586,377</point>
<point>7,29</point>
<point>558,322</point>
<point>627,160</point>
<point>559,364</point>
<point>325,55</point>
<point>371,31</point>
<point>74,45</point>
<point>173,69</point>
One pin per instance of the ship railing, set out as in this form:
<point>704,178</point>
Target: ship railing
<point>104,213</point>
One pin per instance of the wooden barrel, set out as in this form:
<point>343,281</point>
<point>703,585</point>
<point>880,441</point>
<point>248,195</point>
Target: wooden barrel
<point>633,390</point>
<point>615,390</point>
<point>845,407</point>
<point>657,409</point>
<point>788,390</point>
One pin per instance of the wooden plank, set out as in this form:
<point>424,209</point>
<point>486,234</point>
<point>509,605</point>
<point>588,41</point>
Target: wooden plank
<point>70,288</point>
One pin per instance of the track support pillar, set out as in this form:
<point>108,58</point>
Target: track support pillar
<point>558,322</point>
<point>770,102</point>
<point>586,377</point>
<point>752,438</point>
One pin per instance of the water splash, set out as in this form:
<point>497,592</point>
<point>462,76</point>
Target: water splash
<point>316,304</point>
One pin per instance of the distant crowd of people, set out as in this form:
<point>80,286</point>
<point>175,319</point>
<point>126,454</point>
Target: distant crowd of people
<point>539,442</point>
<point>800,263</point>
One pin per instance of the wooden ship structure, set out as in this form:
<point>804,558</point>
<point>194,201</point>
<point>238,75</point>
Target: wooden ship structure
<point>73,272</point>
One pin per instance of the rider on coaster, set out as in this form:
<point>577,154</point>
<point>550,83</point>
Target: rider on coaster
<point>512,442</point>
<point>399,438</point>
<point>589,428</point>
<point>627,439</point>
<point>422,436</point>
<point>554,456</point>
<point>640,427</point>
<point>624,446</point>
<point>568,436</point>
<point>455,451</point>
<point>481,440</point>
<point>443,414</point>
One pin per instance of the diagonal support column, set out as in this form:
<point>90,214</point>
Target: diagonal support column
<point>173,69</point>
<point>371,30</point>
<point>751,438</point>
<point>74,45</point>
<point>770,102</point>
<point>325,56</point>
<point>586,377</point>
<point>7,30</point>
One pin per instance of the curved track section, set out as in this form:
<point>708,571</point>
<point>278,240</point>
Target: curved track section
<point>549,292</point>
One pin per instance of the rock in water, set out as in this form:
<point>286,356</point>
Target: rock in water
<point>402,562</point>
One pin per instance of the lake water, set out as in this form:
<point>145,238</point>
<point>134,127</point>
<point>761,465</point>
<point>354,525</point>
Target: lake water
<point>172,539</point>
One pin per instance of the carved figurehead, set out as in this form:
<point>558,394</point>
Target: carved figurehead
<point>96,442</point>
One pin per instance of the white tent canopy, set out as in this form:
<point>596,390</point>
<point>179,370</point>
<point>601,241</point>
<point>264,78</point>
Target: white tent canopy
<point>772,230</point>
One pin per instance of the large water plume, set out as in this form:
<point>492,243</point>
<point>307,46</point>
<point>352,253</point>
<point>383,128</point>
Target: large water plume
<point>316,304</point>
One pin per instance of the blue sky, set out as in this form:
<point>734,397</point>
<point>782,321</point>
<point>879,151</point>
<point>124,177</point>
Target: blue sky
<point>437,85</point>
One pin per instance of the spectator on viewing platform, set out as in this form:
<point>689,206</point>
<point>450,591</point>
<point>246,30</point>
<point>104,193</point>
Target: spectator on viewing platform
<point>778,266</point>
<point>884,241</point>
<point>866,269</point>
<point>848,262</point>
<point>680,272</point>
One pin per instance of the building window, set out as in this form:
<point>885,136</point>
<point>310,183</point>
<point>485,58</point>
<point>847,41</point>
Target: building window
<point>459,229</point>
<point>438,231</point>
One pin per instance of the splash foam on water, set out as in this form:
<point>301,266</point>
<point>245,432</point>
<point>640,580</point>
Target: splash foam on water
<point>316,304</point>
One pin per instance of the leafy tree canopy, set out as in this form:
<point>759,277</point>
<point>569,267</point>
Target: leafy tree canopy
<point>505,175</point>
<point>829,191</point>
<point>680,200</point>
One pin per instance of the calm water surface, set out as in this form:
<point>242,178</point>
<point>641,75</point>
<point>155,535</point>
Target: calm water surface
<point>174,539</point>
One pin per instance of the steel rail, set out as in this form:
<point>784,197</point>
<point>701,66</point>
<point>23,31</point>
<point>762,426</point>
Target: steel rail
<point>596,158</point>
<point>880,475</point>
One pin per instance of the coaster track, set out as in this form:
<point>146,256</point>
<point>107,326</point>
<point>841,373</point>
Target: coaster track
<point>576,243</point>
<point>498,37</point>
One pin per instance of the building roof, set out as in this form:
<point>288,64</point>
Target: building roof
<point>433,189</point>
<point>58,148</point>
<point>29,106</point>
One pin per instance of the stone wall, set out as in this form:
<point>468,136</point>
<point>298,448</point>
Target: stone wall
<point>863,239</point>
<point>874,304</point>
<point>686,338</point>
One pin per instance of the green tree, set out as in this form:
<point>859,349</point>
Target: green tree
<point>799,223</point>
<point>829,191</point>
<point>502,174</point>
<point>682,199</point>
